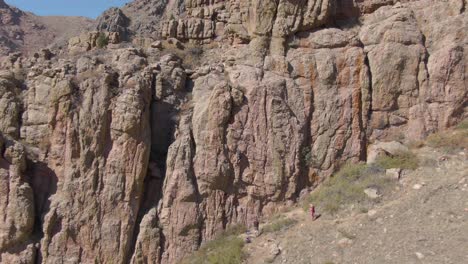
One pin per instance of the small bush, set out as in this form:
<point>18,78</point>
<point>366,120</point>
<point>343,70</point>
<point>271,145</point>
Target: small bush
<point>235,230</point>
<point>102,41</point>
<point>463,125</point>
<point>402,160</point>
<point>226,249</point>
<point>450,140</point>
<point>416,144</point>
<point>280,223</point>
<point>347,187</point>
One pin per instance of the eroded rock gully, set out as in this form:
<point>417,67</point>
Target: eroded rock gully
<point>123,155</point>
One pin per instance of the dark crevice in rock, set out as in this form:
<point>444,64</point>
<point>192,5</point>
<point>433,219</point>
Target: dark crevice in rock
<point>363,137</point>
<point>136,232</point>
<point>192,172</point>
<point>151,186</point>
<point>37,256</point>
<point>427,55</point>
<point>307,156</point>
<point>162,125</point>
<point>369,74</point>
<point>43,182</point>
<point>162,242</point>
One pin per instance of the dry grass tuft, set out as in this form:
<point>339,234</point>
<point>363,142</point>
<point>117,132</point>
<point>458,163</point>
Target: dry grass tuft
<point>402,160</point>
<point>347,187</point>
<point>278,224</point>
<point>226,249</point>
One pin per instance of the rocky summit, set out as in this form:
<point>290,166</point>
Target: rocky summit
<point>140,136</point>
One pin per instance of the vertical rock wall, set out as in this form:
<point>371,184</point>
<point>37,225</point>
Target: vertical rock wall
<point>124,156</point>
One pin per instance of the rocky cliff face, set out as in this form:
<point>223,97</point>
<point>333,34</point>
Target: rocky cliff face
<point>134,155</point>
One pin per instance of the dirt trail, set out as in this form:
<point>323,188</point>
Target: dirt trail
<point>424,220</point>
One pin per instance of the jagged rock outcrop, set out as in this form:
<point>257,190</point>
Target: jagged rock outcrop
<point>125,155</point>
<point>265,127</point>
<point>146,15</point>
<point>94,142</point>
<point>10,104</point>
<point>113,20</point>
<point>17,205</point>
<point>247,20</point>
<point>90,40</point>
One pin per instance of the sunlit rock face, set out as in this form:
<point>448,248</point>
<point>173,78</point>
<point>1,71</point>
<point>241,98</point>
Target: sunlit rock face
<point>141,151</point>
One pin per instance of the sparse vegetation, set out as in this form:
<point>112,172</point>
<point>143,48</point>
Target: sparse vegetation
<point>280,223</point>
<point>450,141</point>
<point>463,125</point>
<point>235,230</point>
<point>403,160</point>
<point>102,41</point>
<point>226,249</point>
<point>191,54</point>
<point>347,187</point>
<point>416,144</point>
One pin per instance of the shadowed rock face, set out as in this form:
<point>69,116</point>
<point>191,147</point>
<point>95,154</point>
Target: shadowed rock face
<point>124,155</point>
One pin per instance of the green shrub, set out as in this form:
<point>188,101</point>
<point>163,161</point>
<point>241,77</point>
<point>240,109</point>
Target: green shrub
<point>102,41</point>
<point>278,224</point>
<point>347,187</point>
<point>226,249</point>
<point>402,160</point>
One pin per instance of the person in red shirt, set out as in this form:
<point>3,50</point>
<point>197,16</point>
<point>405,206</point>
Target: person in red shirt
<point>313,214</point>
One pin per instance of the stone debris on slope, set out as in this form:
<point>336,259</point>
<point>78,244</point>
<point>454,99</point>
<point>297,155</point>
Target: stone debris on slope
<point>405,227</point>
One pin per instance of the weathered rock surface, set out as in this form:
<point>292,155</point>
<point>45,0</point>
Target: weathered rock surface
<point>16,203</point>
<point>89,40</point>
<point>124,155</point>
<point>113,20</point>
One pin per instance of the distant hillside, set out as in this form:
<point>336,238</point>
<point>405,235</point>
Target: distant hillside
<point>26,32</point>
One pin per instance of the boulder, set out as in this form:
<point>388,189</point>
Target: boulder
<point>157,45</point>
<point>380,149</point>
<point>113,20</point>
<point>394,174</point>
<point>372,193</point>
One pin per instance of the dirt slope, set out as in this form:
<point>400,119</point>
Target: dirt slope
<point>424,220</point>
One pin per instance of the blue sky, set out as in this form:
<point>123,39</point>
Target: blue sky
<point>88,8</point>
